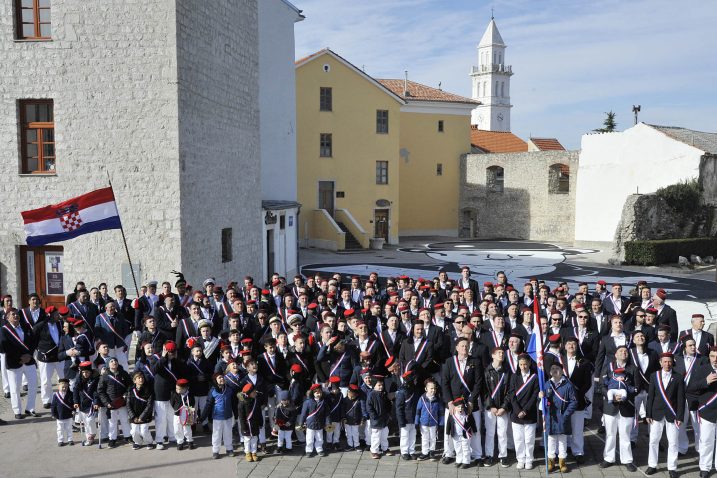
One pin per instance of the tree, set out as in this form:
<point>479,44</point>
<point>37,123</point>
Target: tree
<point>609,124</point>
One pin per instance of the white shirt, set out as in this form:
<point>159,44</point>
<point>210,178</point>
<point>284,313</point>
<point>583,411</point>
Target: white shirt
<point>572,361</point>
<point>697,335</point>
<point>619,339</point>
<point>363,345</point>
<point>54,332</point>
<point>666,376</point>
<point>644,360</point>
<point>462,364</point>
<point>19,332</point>
<point>665,346</point>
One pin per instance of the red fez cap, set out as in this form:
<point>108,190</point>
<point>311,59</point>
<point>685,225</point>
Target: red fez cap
<point>354,387</point>
<point>661,294</point>
<point>182,382</point>
<point>245,352</point>
<point>389,361</point>
<point>49,310</point>
<point>334,379</point>
<point>555,338</point>
<point>438,306</point>
<point>63,310</point>
<point>315,386</point>
<point>248,387</point>
<point>651,310</point>
<point>602,282</point>
<point>265,292</point>
<point>86,365</point>
<point>246,340</point>
<point>407,374</point>
<point>666,354</point>
<point>170,346</point>
<point>275,282</point>
<point>487,284</point>
<point>458,401</point>
<point>296,368</point>
<point>312,306</point>
<point>348,312</point>
<point>698,316</point>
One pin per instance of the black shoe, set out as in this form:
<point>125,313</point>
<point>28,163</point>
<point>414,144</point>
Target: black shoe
<point>422,457</point>
<point>46,406</point>
<point>136,447</point>
<point>673,474</point>
<point>278,450</point>
<point>446,460</point>
<point>59,443</point>
<point>406,457</point>
<point>579,459</point>
<point>2,422</point>
<point>605,464</point>
<point>24,388</point>
<point>488,462</point>
<point>601,430</point>
<point>504,463</point>
<point>7,395</point>
<point>704,474</point>
<point>113,444</point>
<point>465,466</point>
<point>312,454</point>
<point>71,443</point>
<point>31,414</point>
<point>631,467</point>
<point>19,416</point>
<point>180,446</point>
<point>215,456</point>
<point>231,453</point>
<point>650,471</point>
<point>192,445</point>
<point>324,453</point>
<point>479,461</point>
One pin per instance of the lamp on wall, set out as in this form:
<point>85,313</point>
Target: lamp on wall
<point>269,218</point>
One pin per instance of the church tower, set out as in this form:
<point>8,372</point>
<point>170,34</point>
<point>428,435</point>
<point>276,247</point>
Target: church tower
<point>491,83</point>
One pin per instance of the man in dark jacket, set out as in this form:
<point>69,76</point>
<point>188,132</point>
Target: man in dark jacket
<point>48,335</point>
<point>114,384</point>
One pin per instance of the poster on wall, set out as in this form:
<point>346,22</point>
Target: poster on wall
<point>54,268</point>
<point>30,272</point>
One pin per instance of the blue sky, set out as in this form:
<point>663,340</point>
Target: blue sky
<point>573,60</point>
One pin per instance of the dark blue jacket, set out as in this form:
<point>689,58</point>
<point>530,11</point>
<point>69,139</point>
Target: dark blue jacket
<point>62,408</point>
<point>313,419</point>
<point>557,422</point>
<point>379,409</point>
<point>85,393</point>
<point>353,411</point>
<point>348,360</point>
<point>219,404</point>
<point>405,401</point>
<point>333,400</point>
<point>429,413</point>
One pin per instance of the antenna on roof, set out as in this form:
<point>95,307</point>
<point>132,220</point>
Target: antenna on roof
<point>363,68</point>
<point>405,83</point>
<point>491,13</point>
<point>635,110</point>
<point>439,85</point>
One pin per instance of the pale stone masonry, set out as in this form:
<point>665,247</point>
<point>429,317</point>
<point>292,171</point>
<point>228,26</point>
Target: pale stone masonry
<point>527,205</point>
<point>161,94</point>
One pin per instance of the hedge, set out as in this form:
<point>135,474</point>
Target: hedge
<point>652,253</point>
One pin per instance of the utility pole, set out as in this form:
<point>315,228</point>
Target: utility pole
<point>635,110</point>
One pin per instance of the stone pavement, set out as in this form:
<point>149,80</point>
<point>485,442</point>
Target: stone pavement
<point>29,449</point>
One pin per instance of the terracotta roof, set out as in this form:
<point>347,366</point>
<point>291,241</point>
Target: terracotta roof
<point>308,57</point>
<point>497,141</point>
<point>547,144</point>
<point>419,92</point>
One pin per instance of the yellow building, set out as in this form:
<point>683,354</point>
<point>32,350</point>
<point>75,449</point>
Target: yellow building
<point>375,158</point>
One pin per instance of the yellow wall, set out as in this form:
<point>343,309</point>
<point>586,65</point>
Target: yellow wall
<point>429,203</point>
<point>356,145</point>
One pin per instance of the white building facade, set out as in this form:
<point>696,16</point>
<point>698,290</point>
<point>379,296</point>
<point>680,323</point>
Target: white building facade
<point>491,83</point>
<point>163,96</point>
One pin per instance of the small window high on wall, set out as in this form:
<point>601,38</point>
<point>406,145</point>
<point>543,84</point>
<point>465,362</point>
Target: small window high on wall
<point>559,179</point>
<point>494,179</point>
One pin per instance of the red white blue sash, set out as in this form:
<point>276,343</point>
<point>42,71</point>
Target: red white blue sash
<point>104,318</point>
<point>637,363</point>
<point>186,330</point>
<point>303,364</point>
<point>497,387</point>
<point>495,338</point>
<point>268,362</point>
<point>511,362</point>
<point>319,407</point>
<point>27,319</point>
<point>249,416</point>
<point>688,372</point>
<point>557,394</point>
<point>19,340</point>
<point>170,373</point>
<point>383,341</point>
<point>136,395</point>
<point>78,312</point>
<point>338,404</point>
<point>527,382</point>
<point>709,402</point>
<point>370,347</point>
<point>420,350</point>
<point>59,398</point>
<point>229,377</point>
<point>462,425</point>
<point>197,367</point>
<point>461,375</point>
<point>112,377</point>
<point>336,366</point>
<point>428,409</point>
<point>663,393</point>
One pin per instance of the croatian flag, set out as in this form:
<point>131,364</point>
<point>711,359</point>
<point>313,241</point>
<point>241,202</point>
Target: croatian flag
<point>91,212</point>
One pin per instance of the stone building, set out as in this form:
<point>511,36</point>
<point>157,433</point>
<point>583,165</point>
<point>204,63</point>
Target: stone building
<point>525,195</point>
<point>161,96</point>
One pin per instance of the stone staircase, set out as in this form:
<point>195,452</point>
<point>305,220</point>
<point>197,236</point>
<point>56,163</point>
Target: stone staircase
<point>351,243</point>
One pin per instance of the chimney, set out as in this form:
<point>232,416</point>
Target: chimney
<point>405,83</point>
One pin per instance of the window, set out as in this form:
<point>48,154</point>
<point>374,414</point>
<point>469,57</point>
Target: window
<point>282,222</point>
<point>494,179</point>
<point>325,145</point>
<point>227,244</point>
<point>559,179</point>
<point>381,172</point>
<point>495,93</point>
<point>33,19</point>
<point>37,136</point>
<point>382,121</point>
<point>440,126</point>
<point>439,169</point>
<point>502,88</point>
<point>325,99</point>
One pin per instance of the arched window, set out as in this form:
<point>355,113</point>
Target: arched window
<point>494,179</point>
<point>500,58</point>
<point>495,93</point>
<point>559,179</point>
<point>502,88</point>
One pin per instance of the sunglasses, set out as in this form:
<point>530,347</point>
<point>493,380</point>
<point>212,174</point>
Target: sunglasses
<point>459,322</point>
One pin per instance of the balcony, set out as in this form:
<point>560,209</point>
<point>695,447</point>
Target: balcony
<point>492,68</point>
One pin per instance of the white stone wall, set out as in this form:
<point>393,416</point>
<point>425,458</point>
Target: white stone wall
<point>615,165</point>
<point>111,70</point>
<point>218,82</point>
<point>277,99</point>
<point>525,209</point>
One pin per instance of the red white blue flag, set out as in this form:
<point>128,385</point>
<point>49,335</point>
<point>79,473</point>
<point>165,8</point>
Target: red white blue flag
<point>91,212</point>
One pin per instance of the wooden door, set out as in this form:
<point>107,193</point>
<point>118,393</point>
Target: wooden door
<point>42,272</point>
<point>380,223</point>
<point>326,196</point>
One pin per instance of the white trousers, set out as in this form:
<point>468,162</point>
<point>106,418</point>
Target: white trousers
<point>448,449</point>
<point>90,422</point>
<point>476,444</point>
<point>576,441</point>
<point>708,430</point>
<point>618,426</point>
<point>589,396</point>
<point>251,443</point>
<point>64,430</point>
<point>14,376</point>
<point>163,420</point>
<point>493,423</point>
<point>314,439</point>
<point>221,432</point>
<point>3,372</point>
<point>285,438</point>
<point>640,400</point>
<point>673,433</point>
<point>47,370</point>
<point>558,444</point>
<point>379,439</point>
<point>141,434</point>
<point>333,436</point>
<point>119,415</point>
<point>428,439</point>
<point>683,440</point>
<point>182,433</point>
<point>462,447</point>
<point>104,423</point>
<point>524,437</point>
<point>352,435</point>
<point>408,439</point>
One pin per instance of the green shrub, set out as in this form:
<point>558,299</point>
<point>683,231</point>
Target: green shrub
<point>683,197</point>
<point>652,253</point>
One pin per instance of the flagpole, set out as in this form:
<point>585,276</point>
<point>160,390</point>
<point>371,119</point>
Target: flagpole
<point>541,371</point>
<point>124,239</point>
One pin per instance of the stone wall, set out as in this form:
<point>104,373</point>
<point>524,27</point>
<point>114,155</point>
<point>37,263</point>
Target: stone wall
<point>525,208</point>
<point>111,71</point>
<point>218,83</point>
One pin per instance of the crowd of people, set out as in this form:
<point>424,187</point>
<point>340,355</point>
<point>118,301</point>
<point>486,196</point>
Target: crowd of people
<point>327,365</point>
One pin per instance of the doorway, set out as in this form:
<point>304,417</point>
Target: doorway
<point>42,271</point>
<point>270,259</point>
<point>326,196</point>
<point>380,223</point>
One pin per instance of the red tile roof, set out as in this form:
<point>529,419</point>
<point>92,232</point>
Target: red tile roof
<point>547,144</point>
<point>497,141</point>
<point>419,92</point>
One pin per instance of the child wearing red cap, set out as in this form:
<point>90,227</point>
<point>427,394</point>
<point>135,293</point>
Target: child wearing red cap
<point>218,411</point>
<point>285,419</point>
<point>313,418</point>
<point>333,401</point>
<point>185,414</point>
<point>251,420</point>
<point>461,426</point>
<point>352,413</point>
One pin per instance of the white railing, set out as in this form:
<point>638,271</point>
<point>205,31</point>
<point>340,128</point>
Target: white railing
<point>492,68</point>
